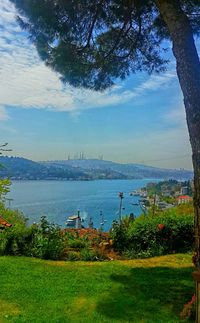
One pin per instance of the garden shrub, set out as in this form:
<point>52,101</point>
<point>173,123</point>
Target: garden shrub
<point>12,239</point>
<point>167,232</point>
<point>3,242</point>
<point>48,241</point>
<point>15,241</point>
<point>88,255</point>
<point>155,250</point>
<point>119,235</point>
<point>43,241</point>
<point>92,255</point>
<point>77,244</point>
<point>73,256</point>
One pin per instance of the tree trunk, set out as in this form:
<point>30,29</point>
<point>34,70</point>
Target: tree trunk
<point>188,70</point>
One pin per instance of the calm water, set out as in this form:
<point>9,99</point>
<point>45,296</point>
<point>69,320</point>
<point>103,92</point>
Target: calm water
<point>58,200</point>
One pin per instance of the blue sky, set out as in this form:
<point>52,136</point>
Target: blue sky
<point>139,120</point>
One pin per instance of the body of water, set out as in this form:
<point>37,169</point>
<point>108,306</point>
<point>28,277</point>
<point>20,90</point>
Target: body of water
<point>60,199</point>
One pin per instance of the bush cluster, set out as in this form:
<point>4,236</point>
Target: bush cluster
<point>167,232</point>
<point>45,241</point>
<point>82,247</point>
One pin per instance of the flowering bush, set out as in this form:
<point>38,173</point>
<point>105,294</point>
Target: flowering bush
<point>167,232</point>
<point>188,311</point>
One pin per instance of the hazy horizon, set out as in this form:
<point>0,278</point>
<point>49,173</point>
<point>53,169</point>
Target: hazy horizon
<point>72,158</point>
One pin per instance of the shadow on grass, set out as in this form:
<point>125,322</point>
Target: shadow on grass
<point>148,295</point>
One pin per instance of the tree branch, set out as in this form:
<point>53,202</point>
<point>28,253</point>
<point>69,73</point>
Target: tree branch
<point>128,19</point>
<point>136,40</point>
<point>117,41</point>
<point>92,26</point>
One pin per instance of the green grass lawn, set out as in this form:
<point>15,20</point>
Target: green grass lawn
<point>149,290</point>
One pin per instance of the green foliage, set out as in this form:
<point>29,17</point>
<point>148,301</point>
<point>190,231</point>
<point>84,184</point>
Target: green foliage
<point>73,256</point>
<point>77,243</point>
<point>171,186</point>
<point>91,43</point>
<point>119,236</point>
<point>85,254</point>
<point>134,254</point>
<point>16,240</point>
<point>13,238</point>
<point>167,232</point>
<point>48,241</point>
<point>43,241</point>
<point>14,217</point>
<point>4,188</point>
<point>185,208</point>
<point>169,199</point>
<point>92,255</point>
<point>74,241</point>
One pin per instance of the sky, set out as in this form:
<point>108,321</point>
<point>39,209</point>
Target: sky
<point>139,120</point>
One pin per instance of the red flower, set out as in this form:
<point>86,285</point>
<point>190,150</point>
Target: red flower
<point>161,226</point>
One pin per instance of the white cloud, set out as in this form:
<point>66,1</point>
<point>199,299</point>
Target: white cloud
<point>3,114</point>
<point>175,116</point>
<point>27,83</point>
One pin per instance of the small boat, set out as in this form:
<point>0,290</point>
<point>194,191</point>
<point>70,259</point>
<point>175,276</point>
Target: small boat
<point>70,223</point>
<point>74,221</point>
<point>135,193</point>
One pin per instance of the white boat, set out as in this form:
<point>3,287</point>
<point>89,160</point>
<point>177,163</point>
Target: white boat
<point>135,193</point>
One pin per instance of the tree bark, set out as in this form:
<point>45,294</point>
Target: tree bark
<point>188,71</point>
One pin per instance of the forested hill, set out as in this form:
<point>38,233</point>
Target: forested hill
<point>128,170</point>
<point>25,169</point>
<point>85,169</point>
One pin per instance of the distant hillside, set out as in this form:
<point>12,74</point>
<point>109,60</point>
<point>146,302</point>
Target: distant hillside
<point>92,166</point>
<point>87,169</point>
<point>25,169</point>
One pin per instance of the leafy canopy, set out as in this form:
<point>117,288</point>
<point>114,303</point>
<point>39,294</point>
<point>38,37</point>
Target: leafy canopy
<point>4,188</point>
<point>91,43</point>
